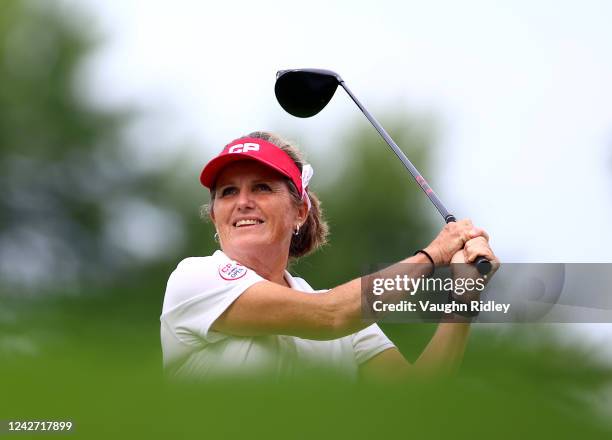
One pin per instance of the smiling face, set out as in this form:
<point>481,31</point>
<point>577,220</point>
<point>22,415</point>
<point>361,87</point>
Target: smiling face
<point>254,212</point>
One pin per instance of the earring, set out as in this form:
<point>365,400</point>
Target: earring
<point>216,237</point>
<point>297,230</point>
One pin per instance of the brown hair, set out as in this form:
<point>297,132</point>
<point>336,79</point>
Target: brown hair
<point>313,233</point>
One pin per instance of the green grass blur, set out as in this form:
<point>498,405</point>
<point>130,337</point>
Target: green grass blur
<point>96,360</point>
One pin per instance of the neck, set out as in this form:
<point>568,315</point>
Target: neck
<point>269,265</point>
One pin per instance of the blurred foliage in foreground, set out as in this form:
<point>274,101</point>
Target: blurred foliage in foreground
<point>83,223</point>
<point>97,364</point>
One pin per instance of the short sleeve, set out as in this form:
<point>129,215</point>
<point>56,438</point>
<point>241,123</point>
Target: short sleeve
<point>368,342</point>
<point>199,290</point>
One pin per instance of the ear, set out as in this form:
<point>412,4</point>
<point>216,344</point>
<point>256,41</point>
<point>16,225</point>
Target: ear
<point>211,212</point>
<point>303,212</point>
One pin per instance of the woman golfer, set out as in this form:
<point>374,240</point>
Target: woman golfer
<point>239,312</point>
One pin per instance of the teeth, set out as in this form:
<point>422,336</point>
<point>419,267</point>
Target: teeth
<point>247,222</point>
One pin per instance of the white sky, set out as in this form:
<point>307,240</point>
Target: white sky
<point>522,89</point>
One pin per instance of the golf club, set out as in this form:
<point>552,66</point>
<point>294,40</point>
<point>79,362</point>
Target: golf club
<point>305,92</point>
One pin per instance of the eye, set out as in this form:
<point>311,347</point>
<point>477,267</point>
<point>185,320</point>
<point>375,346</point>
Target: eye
<point>228,190</point>
<point>264,187</point>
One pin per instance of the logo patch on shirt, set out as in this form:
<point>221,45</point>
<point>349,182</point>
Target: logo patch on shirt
<point>232,271</point>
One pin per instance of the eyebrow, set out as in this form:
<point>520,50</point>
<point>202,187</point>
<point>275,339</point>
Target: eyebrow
<point>267,180</point>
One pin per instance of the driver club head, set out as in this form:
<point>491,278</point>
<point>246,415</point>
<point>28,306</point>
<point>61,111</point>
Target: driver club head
<point>305,92</point>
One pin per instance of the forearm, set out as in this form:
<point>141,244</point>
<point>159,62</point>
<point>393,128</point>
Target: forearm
<point>444,353</point>
<point>269,308</point>
<point>346,300</point>
<point>442,357</point>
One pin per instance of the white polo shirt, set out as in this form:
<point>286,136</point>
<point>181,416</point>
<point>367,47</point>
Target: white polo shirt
<point>201,288</point>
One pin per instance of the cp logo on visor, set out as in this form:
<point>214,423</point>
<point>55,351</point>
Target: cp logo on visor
<point>243,148</point>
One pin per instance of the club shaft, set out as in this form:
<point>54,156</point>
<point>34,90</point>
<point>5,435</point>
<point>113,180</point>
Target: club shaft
<point>482,264</point>
<point>400,154</point>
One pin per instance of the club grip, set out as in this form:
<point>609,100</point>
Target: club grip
<point>482,264</point>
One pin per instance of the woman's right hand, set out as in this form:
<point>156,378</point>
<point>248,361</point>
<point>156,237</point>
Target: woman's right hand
<point>451,239</point>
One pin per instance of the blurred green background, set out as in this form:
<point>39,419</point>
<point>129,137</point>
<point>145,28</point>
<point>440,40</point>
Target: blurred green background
<point>82,283</point>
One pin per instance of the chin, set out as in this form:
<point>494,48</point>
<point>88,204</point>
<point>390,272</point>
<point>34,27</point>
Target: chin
<point>247,242</point>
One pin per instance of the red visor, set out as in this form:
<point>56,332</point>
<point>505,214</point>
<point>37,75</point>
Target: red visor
<point>254,149</point>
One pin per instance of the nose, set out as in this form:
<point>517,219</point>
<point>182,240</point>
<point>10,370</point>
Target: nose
<point>245,199</point>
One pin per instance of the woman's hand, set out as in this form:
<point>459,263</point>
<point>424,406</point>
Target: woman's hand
<point>477,247</point>
<point>461,266</point>
<point>452,239</point>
